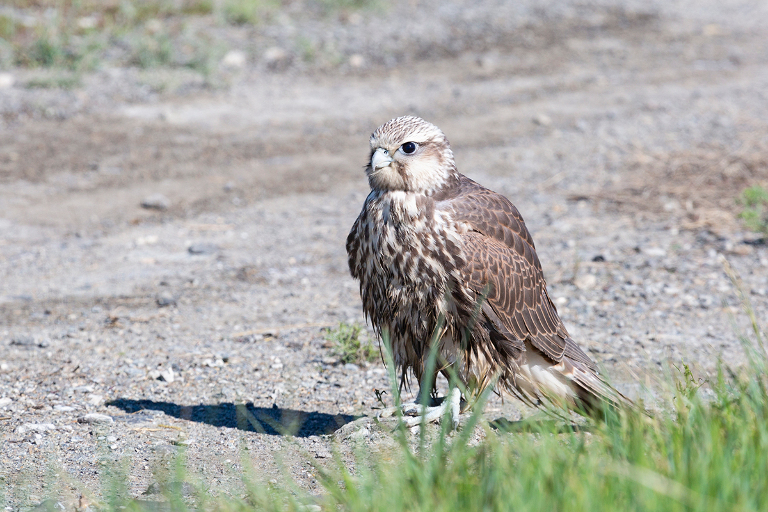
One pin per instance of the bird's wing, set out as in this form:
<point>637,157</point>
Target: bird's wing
<point>515,292</point>
<point>501,262</point>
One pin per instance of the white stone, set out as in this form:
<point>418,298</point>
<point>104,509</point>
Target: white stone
<point>234,59</point>
<point>6,80</point>
<point>35,427</point>
<point>95,418</point>
<point>167,375</point>
<point>654,251</point>
<point>276,57</point>
<point>95,399</point>
<point>156,202</point>
<point>585,281</point>
<point>87,22</point>
<point>542,120</point>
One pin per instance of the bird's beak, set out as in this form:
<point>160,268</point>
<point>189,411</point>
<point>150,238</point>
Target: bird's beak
<point>380,159</point>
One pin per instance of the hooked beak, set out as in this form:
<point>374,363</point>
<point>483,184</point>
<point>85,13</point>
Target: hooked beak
<point>380,159</point>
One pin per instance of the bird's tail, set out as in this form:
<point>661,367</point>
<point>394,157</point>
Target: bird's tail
<point>592,392</point>
<point>571,383</point>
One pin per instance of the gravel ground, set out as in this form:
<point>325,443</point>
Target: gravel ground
<point>623,133</point>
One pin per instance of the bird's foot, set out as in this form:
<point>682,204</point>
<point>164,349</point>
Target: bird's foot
<point>413,412</point>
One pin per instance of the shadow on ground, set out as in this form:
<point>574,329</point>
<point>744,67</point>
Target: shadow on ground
<point>272,421</point>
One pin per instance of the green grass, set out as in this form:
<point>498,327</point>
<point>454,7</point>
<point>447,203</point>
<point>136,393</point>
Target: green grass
<point>79,35</point>
<point>54,81</point>
<point>694,454</point>
<point>754,214</point>
<point>348,345</point>
<point>350,5</point>
<point>7,27</point>
<point>249,12</point>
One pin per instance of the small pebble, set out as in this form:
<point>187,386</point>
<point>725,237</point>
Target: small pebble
<point>166,375</point>
<point>234,59</point>
<point>202,249</point>
<point>277,58</point>
<point>6,80</point>
<point>542,120</point>
<point>322,453</point>
<point>585,281</point>
<point>156,202</point>
<point>166,298</point>
<point>654,251</point>
<point>94,418</point>
<point>362,433</point>
<point>35,427</point>
<point>23,340</point>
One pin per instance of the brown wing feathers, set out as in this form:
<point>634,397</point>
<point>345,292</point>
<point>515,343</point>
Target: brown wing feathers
<point>502,263</point>
<point>501,252</point>
<point>516,294</point>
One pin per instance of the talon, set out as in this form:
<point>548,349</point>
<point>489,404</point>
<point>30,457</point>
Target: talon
<point>412,409</point>
<point>414,413</point>
<point>386,413</point>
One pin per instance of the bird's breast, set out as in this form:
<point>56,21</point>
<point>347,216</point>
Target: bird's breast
<point>412,245</point>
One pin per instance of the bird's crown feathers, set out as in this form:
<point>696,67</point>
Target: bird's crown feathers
<point>406,129</point>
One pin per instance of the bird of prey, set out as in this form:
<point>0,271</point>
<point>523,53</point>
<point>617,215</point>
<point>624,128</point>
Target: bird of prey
<point>442,259</point>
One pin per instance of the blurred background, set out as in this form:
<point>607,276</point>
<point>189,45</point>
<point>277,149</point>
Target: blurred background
<point>179,152</point>
<point>168,152</point>
<point>178,178</point>
<point>268,78</point>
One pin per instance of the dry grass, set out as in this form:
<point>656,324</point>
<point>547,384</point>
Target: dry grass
<point>698,189</point>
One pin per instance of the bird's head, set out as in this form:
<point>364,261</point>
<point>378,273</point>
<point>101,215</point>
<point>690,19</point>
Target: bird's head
<point>409,154</point>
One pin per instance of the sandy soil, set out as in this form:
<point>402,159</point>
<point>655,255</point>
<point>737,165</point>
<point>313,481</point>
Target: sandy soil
<point>624,136</point>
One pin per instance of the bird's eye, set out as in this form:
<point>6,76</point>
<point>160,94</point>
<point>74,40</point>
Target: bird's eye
<point>409,148</point>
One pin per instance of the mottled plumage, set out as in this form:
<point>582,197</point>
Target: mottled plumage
<point>431,243</point>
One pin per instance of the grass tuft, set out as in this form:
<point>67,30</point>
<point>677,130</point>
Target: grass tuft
<point>249,12</point>
<point>755,209</point>
<point>348,345</point>
<point>64,81</point>
<point>7,27</point>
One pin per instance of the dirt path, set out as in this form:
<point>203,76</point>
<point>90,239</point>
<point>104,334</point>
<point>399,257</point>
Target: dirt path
<point>624,147</point>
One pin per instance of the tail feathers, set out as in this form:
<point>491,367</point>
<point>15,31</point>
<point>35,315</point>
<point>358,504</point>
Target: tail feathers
<point>570,383</point>
<point>574,352</point>
<point>592,391</point>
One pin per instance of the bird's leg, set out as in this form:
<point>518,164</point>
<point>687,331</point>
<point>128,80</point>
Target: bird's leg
<point>451,402</point>
<point>414,412</point>
<point>414,408</point>
<point>454,397</point>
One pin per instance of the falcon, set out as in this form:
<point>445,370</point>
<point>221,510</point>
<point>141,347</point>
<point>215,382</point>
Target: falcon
<point>442,259</point>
